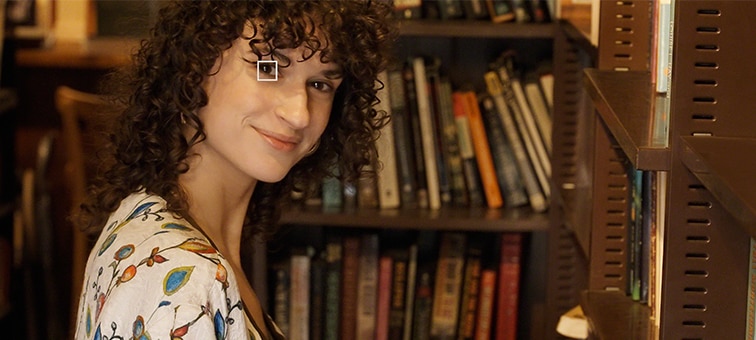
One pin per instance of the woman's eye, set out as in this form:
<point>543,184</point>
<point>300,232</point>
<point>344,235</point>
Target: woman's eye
<point>322,86</point>
<point>267,70</point>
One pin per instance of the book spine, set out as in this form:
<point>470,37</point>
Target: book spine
<point>531,137</point>
<point>448,285</point>
<point>423,306</point>
<point>387,177</point>
<point>496,90</point>
<point>751,297</point>
<point>416,134</point>
<point>367,286</point>
<point>405,161</point>
<point>332,299</point>
<point>435,93</point>
<point>299,302</point>
<point>504,161</point>
<point>398,292</point>
<point>467,153</point>
<point>349,282</point>
<point>508,286</point>
<point>281,297</point>
<point>385,268</point>
<point>451,146</point>
<point>540,110</point>
<point>317,296</point>
<point>332,191</point>
<point>367,189</point>
<point>485,304</point>
<point>482,150</point>
<point>469,304</point>
<point>409,301</point>
<point>427,132</point>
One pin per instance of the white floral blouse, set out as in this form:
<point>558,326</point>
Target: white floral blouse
<point>154,276</point>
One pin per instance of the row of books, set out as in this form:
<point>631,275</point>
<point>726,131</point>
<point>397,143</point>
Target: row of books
<point>459,147</point>
<point>522,11</point>
<point>440,285</point>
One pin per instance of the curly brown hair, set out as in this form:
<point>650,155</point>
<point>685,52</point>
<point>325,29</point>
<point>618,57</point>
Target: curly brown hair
<point>163,87</point>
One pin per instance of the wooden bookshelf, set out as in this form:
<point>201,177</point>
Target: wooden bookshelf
<point>475,29</point>
<point>728,177</point>
<point>613,315</point>
<point>457,218</point>
<point>625,102</point>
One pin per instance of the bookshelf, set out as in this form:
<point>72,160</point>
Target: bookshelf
<point>551,274</point>
<point>709,206</point>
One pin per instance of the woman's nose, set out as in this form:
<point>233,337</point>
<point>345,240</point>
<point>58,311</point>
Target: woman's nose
<point>292,108</point>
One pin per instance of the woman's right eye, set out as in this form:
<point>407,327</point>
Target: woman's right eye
<point>266,69</point>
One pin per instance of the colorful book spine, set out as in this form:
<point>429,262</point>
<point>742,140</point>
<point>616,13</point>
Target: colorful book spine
<point>508,287</point>
<point>448,285</point>
<point>482,149</point>
<point>470,292</point>
<point>484,317</point>
<point>467,152</point>
<point>398,292</point>
<point>349,286</point>
<point>383,304</point>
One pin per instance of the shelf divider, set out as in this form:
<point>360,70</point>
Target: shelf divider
<point>626,104</point>
<point>725,165</point>
<point>612,315</point>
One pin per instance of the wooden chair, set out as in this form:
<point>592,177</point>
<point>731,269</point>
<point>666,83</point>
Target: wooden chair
<point>81,126</point>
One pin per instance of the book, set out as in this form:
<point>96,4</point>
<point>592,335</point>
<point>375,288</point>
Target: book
<point>450,145</point>
<point>428,132</point>
<point>386,174</point>
<point>468,306</point>
<point>299,296</point>
<point>332,191</point>
<point>483,156</point>
<point>484,317</point>
<point>400,258</point>
<point>450,9</point>
<point>475,9</point>
<point>750,326</point>
<point>508,289</point>
<point>281,296</point>
<point>332,298</point>
<point>507,174</point>
<point>500,10</point>
<point>525,123</point>
<point>317,295</point>
<point>448,285</point>
<point>350,268</point>
<point>402,131</point>
<point>522,11</point>
<point>437,108</point>
<point>367,188</point>
<point>496,89</point>
<point>540,110</point>
<point>473,184</point>
<point>383,298</point>
<point>409,301</point>
<point>427,255</point>
<point>408,75</point>
<point>408,9</point>
<point>367,280</point>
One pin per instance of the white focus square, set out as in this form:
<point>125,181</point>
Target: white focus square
<point>273,63</point>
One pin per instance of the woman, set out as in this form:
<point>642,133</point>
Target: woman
<point>229,106</point>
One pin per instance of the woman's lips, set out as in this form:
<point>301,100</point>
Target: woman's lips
<point>279,142</point>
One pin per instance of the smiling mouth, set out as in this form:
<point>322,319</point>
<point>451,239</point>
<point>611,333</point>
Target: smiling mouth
<point>279,143</point>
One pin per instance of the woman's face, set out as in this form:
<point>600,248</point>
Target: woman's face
<point>260,126</point>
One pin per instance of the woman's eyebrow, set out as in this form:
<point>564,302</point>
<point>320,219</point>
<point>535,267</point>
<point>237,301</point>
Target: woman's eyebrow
<point>333,73</point>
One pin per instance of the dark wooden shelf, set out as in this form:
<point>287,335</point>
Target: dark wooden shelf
<point>475,29</point>
<point>625,102</point>
<point>725,165</point>
<point>576,217</point>
<point>614,316</point>
<point>466,219</point>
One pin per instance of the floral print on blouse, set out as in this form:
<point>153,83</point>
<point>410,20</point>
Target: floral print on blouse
<point>154,276</point>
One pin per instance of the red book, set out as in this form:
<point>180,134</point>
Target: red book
<point>508,286</point>
<point>349,282</point>
<point>385,266</point>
